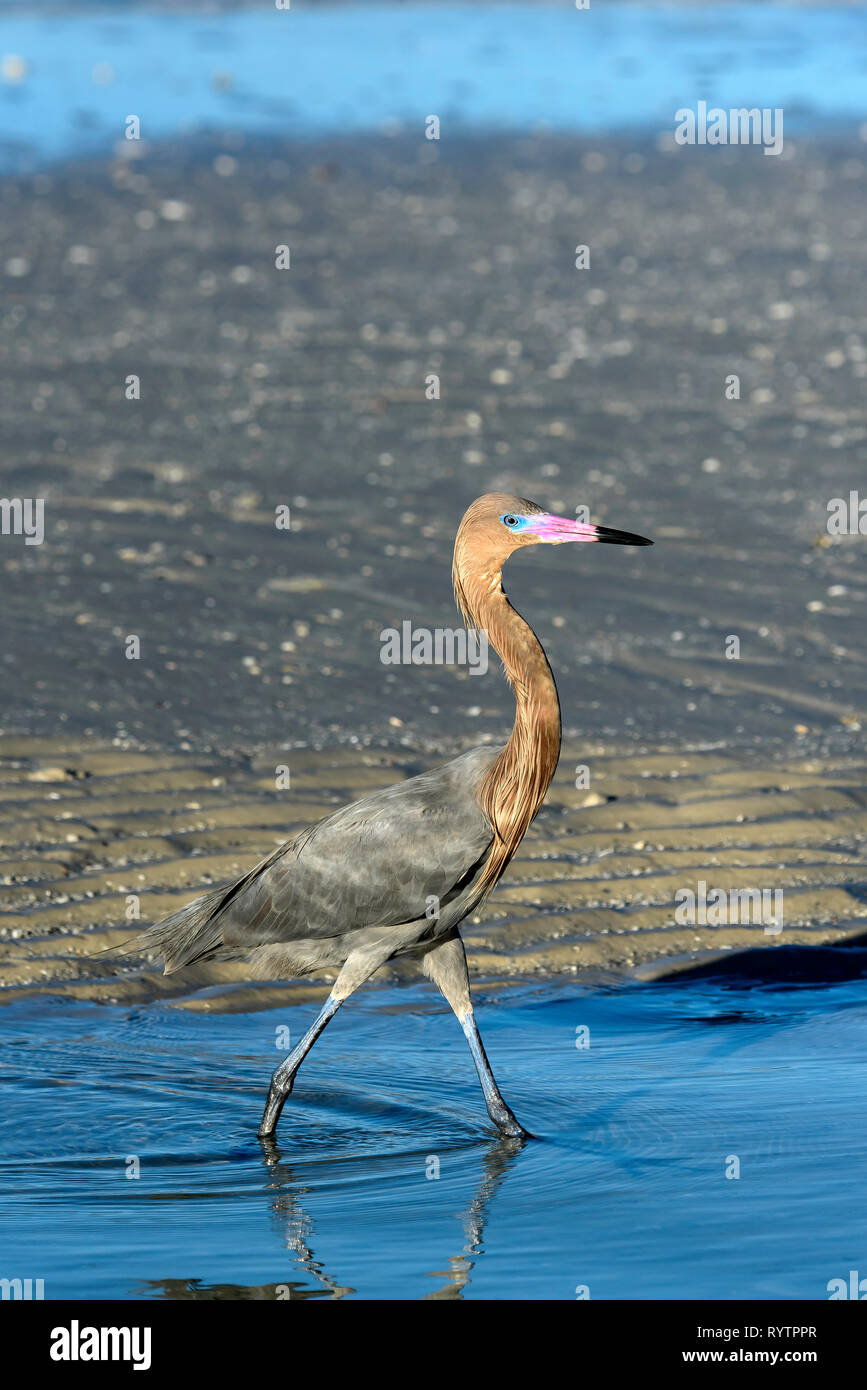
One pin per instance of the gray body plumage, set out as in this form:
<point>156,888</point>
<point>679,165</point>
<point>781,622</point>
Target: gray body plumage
<point>397,872</point>
<point>399,865</point>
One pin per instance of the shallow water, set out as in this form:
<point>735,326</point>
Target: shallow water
<point>624,1192</point>
<point>413,257</point>
<point>339,69</point>
<point>156,778</point>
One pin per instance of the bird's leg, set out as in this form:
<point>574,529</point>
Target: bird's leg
<point>358,967</point>
<point>284,1077</point>
<point>446,964</point>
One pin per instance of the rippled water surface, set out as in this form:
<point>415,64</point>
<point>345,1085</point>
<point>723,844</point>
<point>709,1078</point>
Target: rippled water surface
<point>335,68</point>
<point>624,1192</point>
<point>129,1165</point>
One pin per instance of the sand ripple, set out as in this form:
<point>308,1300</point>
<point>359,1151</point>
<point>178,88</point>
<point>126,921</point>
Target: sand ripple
<point>84,830</point>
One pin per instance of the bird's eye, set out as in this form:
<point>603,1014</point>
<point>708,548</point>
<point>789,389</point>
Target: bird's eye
<point>509,520</point>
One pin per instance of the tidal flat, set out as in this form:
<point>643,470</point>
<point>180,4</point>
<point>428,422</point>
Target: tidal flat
<point>184,684</point>
<point>261,647</point>
<point>95,844</point>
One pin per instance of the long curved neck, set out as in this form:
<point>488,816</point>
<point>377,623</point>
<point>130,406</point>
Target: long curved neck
<point>515,785</point>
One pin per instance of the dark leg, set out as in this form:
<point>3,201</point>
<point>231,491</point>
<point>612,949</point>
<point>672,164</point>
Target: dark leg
<point>446,964</point>
<point>358,967</point>
<point>284,1077</point>
<point>498,1110</point>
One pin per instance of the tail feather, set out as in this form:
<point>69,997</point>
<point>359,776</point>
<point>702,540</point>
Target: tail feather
<point>193,933</point>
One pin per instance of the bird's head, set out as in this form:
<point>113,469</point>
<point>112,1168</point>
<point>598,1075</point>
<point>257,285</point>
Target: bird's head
<point>498,523</point>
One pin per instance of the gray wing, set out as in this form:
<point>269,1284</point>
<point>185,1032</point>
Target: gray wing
<point>374,863</point>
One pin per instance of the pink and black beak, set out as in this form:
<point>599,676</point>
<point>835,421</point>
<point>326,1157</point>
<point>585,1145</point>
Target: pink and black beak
<point>557,530</point>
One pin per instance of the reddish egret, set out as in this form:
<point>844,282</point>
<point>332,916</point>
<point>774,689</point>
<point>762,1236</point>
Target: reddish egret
<point>356,890</point>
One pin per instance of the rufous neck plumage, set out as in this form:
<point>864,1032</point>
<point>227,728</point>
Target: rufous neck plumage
<point>515,785</point>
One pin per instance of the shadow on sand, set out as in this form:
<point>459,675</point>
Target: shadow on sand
<point>776,965</point>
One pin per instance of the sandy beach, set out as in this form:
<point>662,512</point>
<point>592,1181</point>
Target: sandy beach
<point>260,389</point>
<point>129,776</point>
<point>283,291</point>
<point>90,836</point>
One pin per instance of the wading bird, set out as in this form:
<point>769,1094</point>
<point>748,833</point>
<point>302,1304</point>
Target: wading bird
<point>355,890</point>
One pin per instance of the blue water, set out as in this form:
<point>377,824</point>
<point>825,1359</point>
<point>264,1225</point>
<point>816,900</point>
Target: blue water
<point>624,1191</point>
<point>345,71</point>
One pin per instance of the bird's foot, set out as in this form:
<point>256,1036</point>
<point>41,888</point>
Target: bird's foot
<point>508,1125</point>
<point>271,1115</point>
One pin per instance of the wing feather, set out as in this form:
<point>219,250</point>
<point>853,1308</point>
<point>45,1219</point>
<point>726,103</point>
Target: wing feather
<point>378,862</point>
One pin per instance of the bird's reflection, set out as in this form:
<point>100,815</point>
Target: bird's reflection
<point>287,1191</point>
<point>287,1206</point>
<point>497,1160</point>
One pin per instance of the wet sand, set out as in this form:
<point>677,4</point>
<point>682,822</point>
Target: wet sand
<point>592,891</point>
<point>260,647</point>
<point>136,784</point>
<point>602,388</point>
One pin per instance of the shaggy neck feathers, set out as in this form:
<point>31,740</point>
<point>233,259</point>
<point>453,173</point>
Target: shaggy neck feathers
<point>515,785</point>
